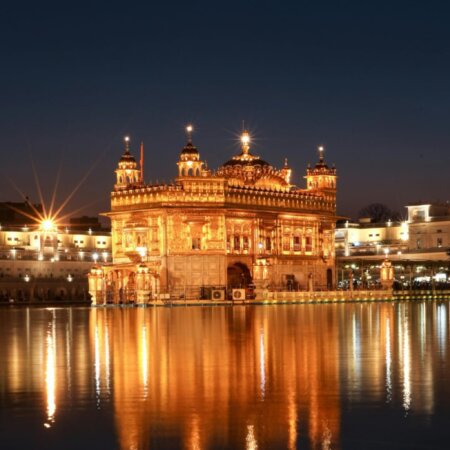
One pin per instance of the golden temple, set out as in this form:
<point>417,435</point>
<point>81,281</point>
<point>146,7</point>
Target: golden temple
<point>244,224</point>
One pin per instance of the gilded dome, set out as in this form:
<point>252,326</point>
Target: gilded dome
<point>127,157</point>
<point>247,169</point>
<point>189,149</point>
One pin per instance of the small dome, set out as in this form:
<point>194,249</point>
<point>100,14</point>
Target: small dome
<point>127,157</point>
<point>189,149</point>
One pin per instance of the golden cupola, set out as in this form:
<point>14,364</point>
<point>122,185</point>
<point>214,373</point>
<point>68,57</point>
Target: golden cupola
<point>127,173</point>
<point>321,177</point>
<point>189,163</point>
<point>250,170</point>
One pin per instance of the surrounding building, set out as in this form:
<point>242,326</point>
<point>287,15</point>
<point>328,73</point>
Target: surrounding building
<point>418,247</point>
<point>41,261</point>
<point>244,224</point>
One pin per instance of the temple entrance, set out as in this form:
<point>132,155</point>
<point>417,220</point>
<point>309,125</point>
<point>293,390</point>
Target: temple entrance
<point>238,276</point>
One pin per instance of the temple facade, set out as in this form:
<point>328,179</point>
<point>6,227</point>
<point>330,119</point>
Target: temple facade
<point>244,224</point>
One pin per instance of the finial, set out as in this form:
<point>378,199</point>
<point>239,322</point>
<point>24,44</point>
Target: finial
<point>245,140</point>
<point>320,150</point>
<point>286,163</point>
<point>141,163</point>
<point>127,144</point>
<point>189,130</point>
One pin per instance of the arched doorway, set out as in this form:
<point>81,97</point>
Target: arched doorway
<point>238,276</point>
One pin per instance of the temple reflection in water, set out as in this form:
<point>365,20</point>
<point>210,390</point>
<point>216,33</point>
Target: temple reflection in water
<point>247,377</point>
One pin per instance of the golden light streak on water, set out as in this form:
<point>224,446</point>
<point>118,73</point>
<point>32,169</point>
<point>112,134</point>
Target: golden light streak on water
<point>327,438</point>
<point>262,363</point>
<point>292,420</point>
<point>388,361</point>
<point>97,363</point>
<point>144,360</point>
<point>423,329</point>
<point>50,373</point>
<point>250,439</point>
<point>441,327</point>
<point>107,361</point>
<point>406,363</point>
<point>194,438</point>
<point>356,345</point>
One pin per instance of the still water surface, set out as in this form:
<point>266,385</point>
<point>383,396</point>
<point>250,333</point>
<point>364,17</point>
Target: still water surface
<point>348,376</point>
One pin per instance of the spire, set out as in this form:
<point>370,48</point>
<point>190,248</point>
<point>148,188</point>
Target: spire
<point>189,163</point>
<point>141,163</point>
<point>127,144</point>
<point>286,171</point>
<point>245,141</point>
<point>189,148</point>
<point>320,150</point>
<point>127,173</point>
<point>189,130</point>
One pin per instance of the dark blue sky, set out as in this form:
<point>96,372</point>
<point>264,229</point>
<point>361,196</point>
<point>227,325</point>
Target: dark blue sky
<point>369,80</point>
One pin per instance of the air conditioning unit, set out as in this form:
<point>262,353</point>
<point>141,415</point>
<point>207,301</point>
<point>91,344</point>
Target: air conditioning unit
<point>217,294</point>
<point>238,294</point>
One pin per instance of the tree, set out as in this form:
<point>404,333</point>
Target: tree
<point>378,213</point>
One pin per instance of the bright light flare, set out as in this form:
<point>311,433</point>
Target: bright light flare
<point>189,128</point>
<point>48,225</point>
<point>245,138</point>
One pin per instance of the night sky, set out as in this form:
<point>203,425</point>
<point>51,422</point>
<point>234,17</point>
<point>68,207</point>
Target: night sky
<point>368,80</point>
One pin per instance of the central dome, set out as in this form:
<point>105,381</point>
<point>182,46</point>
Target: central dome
<point>250,170</point>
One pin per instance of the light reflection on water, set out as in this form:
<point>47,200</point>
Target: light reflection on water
<point>303,376</point>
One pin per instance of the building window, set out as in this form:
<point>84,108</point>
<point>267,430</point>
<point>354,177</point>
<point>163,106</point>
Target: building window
<point>439,242</point>
<point>308,244</point>
<point>286,244</point>
<point>237,242</point>
<point>297,243</point>
<point>228,243</point>
<point>268,244</point>
<point>418,244</point>
<point>196,243</point>
<point>245,242</point>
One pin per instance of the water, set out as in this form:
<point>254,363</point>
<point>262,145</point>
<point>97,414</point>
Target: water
<point>332,376</point>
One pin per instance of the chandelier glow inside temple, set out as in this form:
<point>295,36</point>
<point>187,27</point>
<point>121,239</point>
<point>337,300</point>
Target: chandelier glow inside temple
<point>211,231</point>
